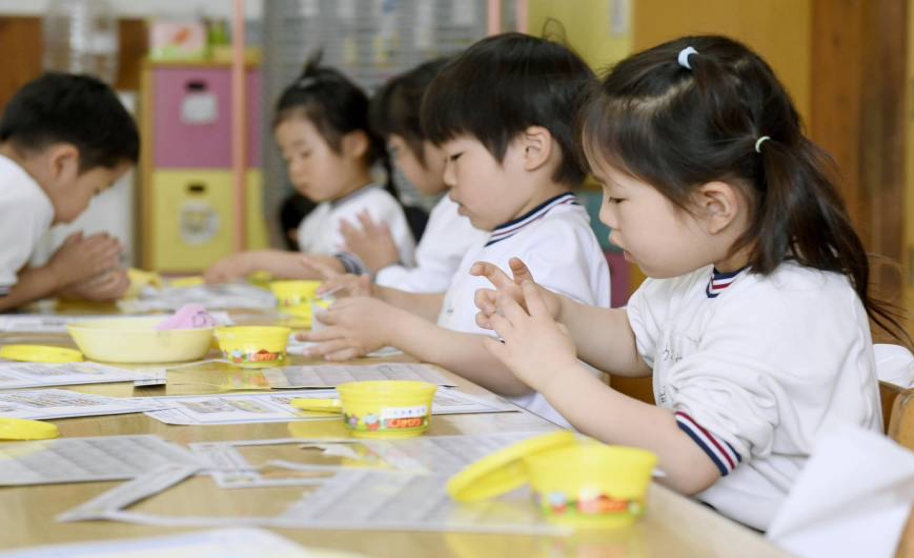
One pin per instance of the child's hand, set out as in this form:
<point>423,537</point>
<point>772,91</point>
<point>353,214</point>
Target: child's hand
<point>80,258</point>
<point>355,327</point>
<point>336,283</point>
<point>372,243</point>
<point>536,348</point>
<point>229,268</point>
<point>485,299</point>
<point>110,285</point>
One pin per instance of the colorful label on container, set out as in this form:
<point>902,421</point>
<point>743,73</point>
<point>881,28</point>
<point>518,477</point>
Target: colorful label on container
<point>589,504</point>
<point>239,356</point>
<point>390,418</point>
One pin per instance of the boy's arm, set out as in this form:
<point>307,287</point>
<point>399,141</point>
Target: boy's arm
<point>32,283</point>
<point>277,262</point>
<point>425,305</point>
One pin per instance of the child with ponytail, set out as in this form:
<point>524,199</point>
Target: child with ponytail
<point>755,319</point>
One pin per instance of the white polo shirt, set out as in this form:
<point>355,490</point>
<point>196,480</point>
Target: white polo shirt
<point>26,214</point>
<point>446,240</point>
<point>557,244</point>
<point>752,380</point>
<point>319,232</point>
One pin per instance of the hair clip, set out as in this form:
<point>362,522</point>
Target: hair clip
<point>306,82</point>
<point>759,142</point>
<point>684,57</point>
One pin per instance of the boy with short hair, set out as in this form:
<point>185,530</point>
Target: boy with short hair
<point>503,114</point>
<point>63,139</point>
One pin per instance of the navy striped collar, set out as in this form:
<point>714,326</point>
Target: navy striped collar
<point>720,280</point>
<point>354,194</point>
<point>514,226</point>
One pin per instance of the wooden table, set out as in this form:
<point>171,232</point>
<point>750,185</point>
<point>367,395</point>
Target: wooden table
<point>673,526</point>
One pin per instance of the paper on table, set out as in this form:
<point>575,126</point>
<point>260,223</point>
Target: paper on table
<point>88,459</point>
<point>57,323</point>
<point>851,499</point>
<point>42,404</point>
<point>226,295</point>
<point>237,543</point>
<point>41,374</point>
<point>238,408</point>
<point>331,375</point>
<point>296,347</point>
<point>143,486</point>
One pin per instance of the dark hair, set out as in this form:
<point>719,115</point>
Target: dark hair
<point>394,108</point>
<point>503,84</point>
<point>333,103</point>
<point>292,210</point>
<point>674,128</point>
<point>75,109</point>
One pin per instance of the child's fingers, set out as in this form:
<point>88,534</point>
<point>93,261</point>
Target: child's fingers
<point>345,354</point>
<point>328,347</point>
<point>511,309</point>
<point>534,300</point>
<point>482,320</point>
<point>501,325</point>
<point>491,272</point>
<point>519,270</point>
<point>485,299</point>
<point>366,221</point>
<point>322,335</point>
<point>323,269</point>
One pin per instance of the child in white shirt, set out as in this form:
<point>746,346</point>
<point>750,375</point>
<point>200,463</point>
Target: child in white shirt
<point>501,112</point>
<point>63,138</point>
<point>711,188</point>
<point>394,113</point>
<point>321,126</point>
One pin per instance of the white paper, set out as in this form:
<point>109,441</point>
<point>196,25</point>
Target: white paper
<point>297,347</point>
<point>143,486</point>
<point>57,323</point>
<point>225,295</point>
<point>43,404</point>
<point>87,459</point>
<point>222,543</point>
<point>14,375</point>
<point>331,375</point>
<point>275,406</point>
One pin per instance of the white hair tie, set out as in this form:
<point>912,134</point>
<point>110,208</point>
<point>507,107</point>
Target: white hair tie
<point>759,142</point>
<point>684,57</point>
<point>306,82</point>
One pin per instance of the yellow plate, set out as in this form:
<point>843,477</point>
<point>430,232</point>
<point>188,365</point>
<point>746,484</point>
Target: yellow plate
<point>40,353</point>
<point>314,404</point>
<point>24,429</point>
<point>503,471</point>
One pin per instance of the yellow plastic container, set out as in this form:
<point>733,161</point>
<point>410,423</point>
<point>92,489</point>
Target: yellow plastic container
<point>254,346</point>
<point>39,353</point>
<point>135,340</point>
<point>591,485</point>
<point>386,408</point>
<point>295,297</point>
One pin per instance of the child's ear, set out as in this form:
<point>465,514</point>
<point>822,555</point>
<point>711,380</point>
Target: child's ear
<point>536,142</point>
<point>63,159</point>
<point>355,144</point>
<point>718,205</point>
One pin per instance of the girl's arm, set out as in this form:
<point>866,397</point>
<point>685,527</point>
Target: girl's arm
<point>602,336</point>
<point>277,262</point>
<point>541,353</point>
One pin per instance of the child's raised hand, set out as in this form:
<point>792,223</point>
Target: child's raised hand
<point>80,257</point>
<point>354,327</point>
<point>372,243</point>
<point>336,283</point>
<point>485,299</point>
<point>536,348</point>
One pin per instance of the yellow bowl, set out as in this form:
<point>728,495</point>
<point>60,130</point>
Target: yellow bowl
<point>254,346</point>
<point>295,295</point>
<point>386,408</point>
<point>591,485</point>
<point>136,340</point>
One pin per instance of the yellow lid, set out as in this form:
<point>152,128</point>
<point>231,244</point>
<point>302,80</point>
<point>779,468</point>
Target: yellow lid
<point>315,404</point>
<point>24,429</point>
<point>503,471</point>
<point>40,353</point>
<point>191,281</point>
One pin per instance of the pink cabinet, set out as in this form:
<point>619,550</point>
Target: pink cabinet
<point>192,122</point>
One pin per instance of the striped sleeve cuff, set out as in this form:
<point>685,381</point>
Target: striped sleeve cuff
<point>721,453</point>
<point>351,263</point>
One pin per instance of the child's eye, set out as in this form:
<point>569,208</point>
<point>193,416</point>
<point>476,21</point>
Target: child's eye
<point>612,200</point>
<point>454,157</point>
